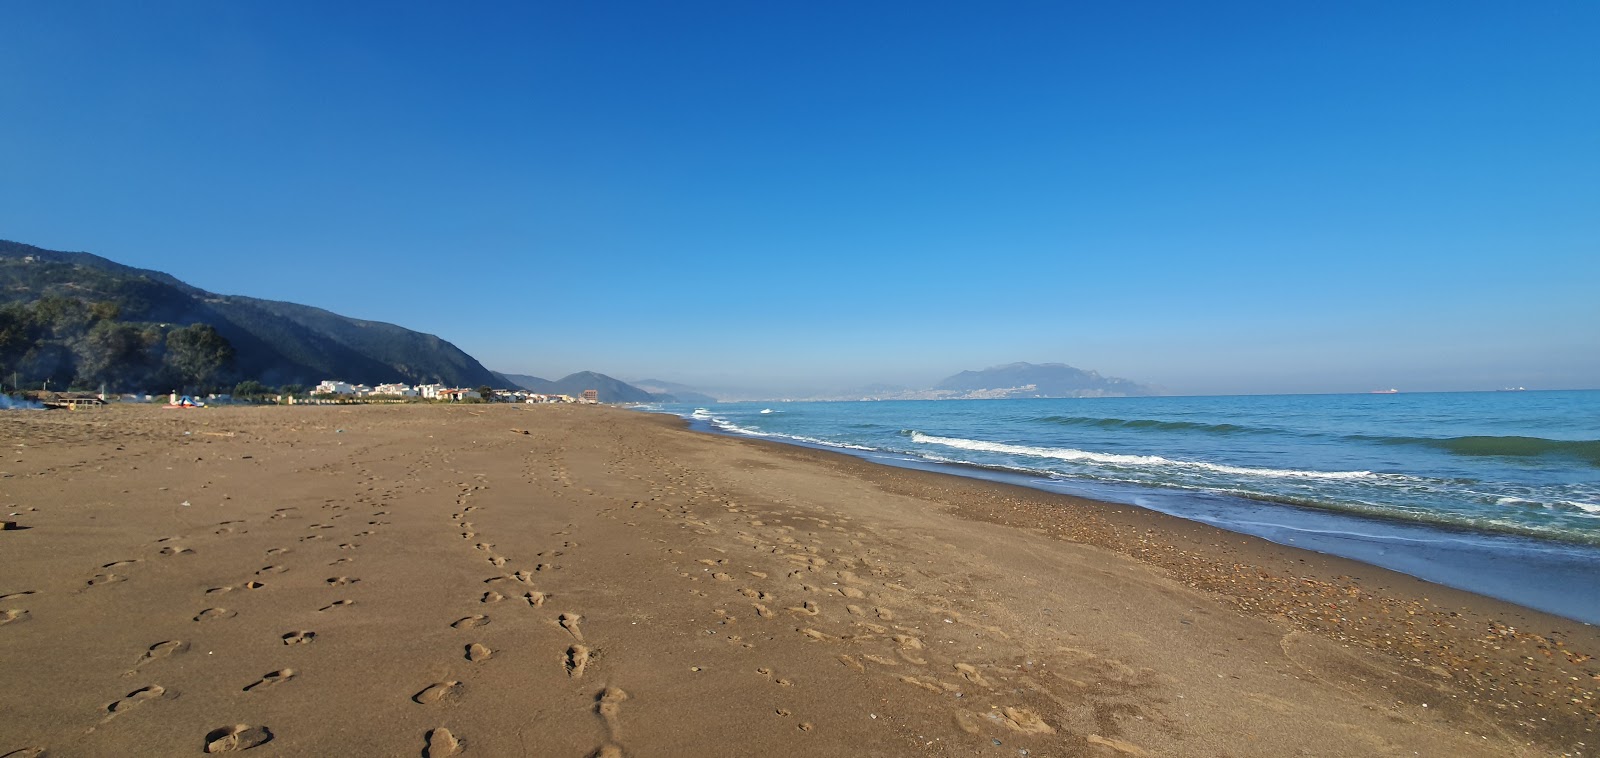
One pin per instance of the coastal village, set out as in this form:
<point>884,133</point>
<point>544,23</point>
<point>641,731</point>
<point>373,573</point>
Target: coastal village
<point>333,389</point>
<point>328,392</point>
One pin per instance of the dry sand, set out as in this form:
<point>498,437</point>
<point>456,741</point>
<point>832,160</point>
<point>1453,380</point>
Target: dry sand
<point>430,580</point>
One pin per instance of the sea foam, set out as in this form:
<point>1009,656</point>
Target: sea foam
<point>1114,459</point>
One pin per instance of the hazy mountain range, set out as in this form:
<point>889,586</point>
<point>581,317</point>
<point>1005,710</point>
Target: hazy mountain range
<point>608,389</point>
<point>79,319</point>
<point>1012,380</point>
<point>1039,380</point>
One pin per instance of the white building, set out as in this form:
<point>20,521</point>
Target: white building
<point>333,387</point>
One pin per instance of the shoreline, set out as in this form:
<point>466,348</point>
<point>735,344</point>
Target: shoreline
<point>1544,574</point>
<point>571,581</point>
<point>1293,584</point>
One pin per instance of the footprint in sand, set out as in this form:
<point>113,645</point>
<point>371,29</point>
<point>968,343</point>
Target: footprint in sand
<point>808,608</point>
<point>971,674</point>
<point>135,698</point>
<point>161,650</point>
<point>267,680</point>
<point>535,599</point>
<point>609,705</point>
<point>442,744</point>
<point>237,737</point>
<point>116,564</point>
<point>491,597</point>
<point>172,550</point>
<point>469,622</point>
<point>569,622</point>
<point>15,595</point>
<point>8,616</point>
<point>341,581</point>
<point>212,614</point>
<point>1024,720</point>
<point>106,578</point>
<point>277,551</point>
<point>577,659</point>
<point>433,693</point>
<point>337,604</point>
<point>299,638</point>
<point>479,652</point>
<point>271,570</point>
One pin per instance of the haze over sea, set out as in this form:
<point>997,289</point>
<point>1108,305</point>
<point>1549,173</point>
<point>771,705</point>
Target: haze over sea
<point>1494,492</point>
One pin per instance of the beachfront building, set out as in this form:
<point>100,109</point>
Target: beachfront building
<point>333,387</point>
<point>591,396</point>
<point>457,394</point>
<point>398,390</point>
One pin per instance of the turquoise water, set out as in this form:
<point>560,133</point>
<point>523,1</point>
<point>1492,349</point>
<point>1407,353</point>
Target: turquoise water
<point>1506,475</point>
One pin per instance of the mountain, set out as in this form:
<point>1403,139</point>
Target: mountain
<point>672,391</point>
<point>529,383</point>
<point>63,302</point>
<point>609,390</point>
<point>1039,380</point>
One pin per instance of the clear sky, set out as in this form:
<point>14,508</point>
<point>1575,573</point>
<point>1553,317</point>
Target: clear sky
<point>1213,197</point>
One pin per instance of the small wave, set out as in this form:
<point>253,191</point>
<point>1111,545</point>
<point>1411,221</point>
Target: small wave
<point>1587,451</point>
<point>1592,508</point>
<point>1520,501</point>
<point>732,428</point>
<point>1517,447</point>
<point>1145,423</point>
<point>1069,454</point>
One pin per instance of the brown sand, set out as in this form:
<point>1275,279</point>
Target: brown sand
<point>431,580</point>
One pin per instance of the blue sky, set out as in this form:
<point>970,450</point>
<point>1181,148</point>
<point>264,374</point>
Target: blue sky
<point>1213,197</point>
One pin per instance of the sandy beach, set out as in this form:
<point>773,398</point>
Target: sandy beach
<point>497,580</point>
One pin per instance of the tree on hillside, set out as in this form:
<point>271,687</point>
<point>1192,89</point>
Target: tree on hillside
<point>197,355</point>
<point>16,334</point>
<point>113,353</point>
<point>251,388</point>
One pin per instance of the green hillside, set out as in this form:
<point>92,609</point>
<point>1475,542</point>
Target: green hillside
<point>82,320</point>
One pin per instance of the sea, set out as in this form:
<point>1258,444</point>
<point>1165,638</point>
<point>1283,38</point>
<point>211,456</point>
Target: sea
<point>1496,493</point>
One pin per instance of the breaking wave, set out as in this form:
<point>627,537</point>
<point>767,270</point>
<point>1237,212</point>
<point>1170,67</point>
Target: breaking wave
<point>1587,451</point>
<point>1114,459</point>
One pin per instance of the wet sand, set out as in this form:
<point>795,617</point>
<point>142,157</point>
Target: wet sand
<point>562,580</point>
